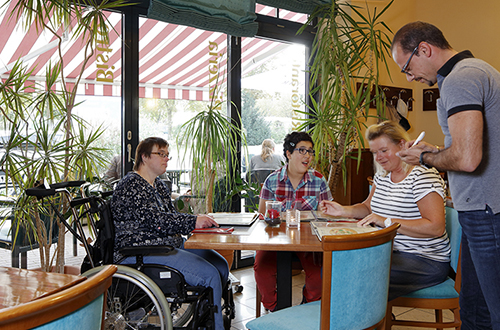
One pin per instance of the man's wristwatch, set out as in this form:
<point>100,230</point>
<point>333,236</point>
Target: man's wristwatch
<point>422,159</point>
<point>387,222</point>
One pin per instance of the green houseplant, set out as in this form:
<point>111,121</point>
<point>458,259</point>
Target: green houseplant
<point>350,48</point>
<point>47,141</point>
<point>210,142</point>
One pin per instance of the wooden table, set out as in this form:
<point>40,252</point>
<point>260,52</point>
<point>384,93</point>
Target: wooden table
<point>18,286</point>
<point>262,237</point>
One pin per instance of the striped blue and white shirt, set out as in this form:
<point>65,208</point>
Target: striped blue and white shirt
<point>399,201</point>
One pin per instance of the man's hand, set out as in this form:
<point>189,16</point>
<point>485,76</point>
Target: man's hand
<point>410,154</point>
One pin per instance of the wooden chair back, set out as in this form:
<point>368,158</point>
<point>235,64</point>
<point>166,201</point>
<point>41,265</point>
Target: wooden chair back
<point>78,307</point>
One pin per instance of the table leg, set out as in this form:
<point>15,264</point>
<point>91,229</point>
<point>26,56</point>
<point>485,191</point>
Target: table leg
<point>284,279</point>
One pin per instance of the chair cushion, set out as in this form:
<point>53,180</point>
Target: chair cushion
<point>445,290</point>
<point>304,317</point>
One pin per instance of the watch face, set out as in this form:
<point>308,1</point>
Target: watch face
<point>388,222</point>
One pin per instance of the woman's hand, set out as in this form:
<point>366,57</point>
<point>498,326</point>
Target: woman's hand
<point>372,218</point>
<point>205,221</point>
<point>331,208</point>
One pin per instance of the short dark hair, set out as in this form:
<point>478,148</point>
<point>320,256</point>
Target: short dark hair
<point>292,139</point>
<point>412,34</point>
<point>145,147</point>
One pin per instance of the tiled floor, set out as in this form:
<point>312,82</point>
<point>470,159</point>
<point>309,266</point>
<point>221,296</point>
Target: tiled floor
<point>245,301</point>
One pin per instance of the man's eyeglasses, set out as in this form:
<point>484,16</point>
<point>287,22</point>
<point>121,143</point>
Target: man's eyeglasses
<point>304,151</point>
<point>405,67</point>
<point>162,155</point>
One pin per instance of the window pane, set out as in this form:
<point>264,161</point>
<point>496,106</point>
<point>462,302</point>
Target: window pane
<point>273,87</point>
<point>179,68</point>
<point>98,93</point>
<point>280,13</point>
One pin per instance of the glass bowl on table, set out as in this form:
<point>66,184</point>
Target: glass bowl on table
<point>273,213</point>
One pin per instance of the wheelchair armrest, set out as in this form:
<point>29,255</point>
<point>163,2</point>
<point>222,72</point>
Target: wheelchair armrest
<point>131,251</point>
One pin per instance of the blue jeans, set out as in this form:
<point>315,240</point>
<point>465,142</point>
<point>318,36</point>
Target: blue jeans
<point>410,272</point>
<point>199,267</point>
<point>480,292</point>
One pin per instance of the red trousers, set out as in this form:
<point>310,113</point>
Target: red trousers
<point>265,276</point>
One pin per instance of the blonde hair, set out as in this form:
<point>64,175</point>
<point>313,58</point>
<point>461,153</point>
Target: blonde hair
<point>395,133</point>
<point>267,149</point>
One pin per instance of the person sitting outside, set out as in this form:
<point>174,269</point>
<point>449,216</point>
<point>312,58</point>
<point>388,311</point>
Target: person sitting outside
<point>412,196</point>
<point>113,173</point>
<point>267,160</point>
<point>294,183</point>
<point>144,215</point>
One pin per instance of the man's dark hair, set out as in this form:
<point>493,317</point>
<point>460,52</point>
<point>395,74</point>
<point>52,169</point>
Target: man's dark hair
<point>145,147</point>
<point>292,139</point>
<point>412,34</point>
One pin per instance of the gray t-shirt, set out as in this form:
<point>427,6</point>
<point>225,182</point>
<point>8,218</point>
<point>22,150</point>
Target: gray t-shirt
<point>272,163</point>
<point>466,83</point>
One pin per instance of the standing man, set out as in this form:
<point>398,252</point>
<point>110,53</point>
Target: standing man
<point>469,115</point>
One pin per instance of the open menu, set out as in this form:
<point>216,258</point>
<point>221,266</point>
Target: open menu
<point>234,219</point>
<point>322,228</point>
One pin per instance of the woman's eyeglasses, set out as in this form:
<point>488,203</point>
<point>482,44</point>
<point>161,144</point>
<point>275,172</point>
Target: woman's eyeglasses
<point>162,155</point>
<point>304,151</point>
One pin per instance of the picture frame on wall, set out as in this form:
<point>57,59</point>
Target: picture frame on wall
<point>429,99</point>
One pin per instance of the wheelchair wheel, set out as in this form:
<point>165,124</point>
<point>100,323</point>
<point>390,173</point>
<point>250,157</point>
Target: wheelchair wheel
<point>134,301</point>
<point>181,313</point>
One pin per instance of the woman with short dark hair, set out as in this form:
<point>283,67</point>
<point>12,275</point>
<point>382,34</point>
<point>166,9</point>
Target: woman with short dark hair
<point>292,184</point>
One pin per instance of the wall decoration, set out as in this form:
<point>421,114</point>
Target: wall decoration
<point>393,94</point>
<point>429,99</point>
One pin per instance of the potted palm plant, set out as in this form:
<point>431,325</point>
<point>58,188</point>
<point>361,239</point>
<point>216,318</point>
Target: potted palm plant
<point>350,48</point>
<point>209,140</point>
<point>47,141</point>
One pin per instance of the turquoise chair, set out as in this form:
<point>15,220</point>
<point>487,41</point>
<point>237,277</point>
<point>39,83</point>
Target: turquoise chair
<point>355,286</point>
<point>438,297</point>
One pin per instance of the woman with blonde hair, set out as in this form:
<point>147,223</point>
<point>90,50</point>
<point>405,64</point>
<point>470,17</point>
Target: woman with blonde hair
<point>267,160</point>
<point>412,196</point>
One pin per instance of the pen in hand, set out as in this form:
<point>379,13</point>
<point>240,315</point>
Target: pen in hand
<point>419,138</point>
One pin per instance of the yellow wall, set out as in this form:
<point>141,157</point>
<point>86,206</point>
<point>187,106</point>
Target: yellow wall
<point>467,25</point>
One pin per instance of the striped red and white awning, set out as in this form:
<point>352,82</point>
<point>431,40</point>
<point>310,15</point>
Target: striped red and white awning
<point>174,60</point>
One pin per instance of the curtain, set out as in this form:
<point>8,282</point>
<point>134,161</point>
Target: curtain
<point>299,6</point>
<point>234,17</point>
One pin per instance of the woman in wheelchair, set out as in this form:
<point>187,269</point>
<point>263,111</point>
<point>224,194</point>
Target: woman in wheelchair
<point>144,215</point>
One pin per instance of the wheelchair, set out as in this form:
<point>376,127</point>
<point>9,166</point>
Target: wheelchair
<point>142,296</point>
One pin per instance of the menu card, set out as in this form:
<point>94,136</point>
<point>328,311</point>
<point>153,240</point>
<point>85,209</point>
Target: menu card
<point>342,227</point>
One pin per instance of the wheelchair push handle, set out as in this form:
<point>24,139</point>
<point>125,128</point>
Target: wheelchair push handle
<point>41,191</point>
<point>81,201</point>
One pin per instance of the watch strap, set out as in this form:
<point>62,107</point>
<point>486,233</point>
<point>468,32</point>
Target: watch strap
<point>421,160</point>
